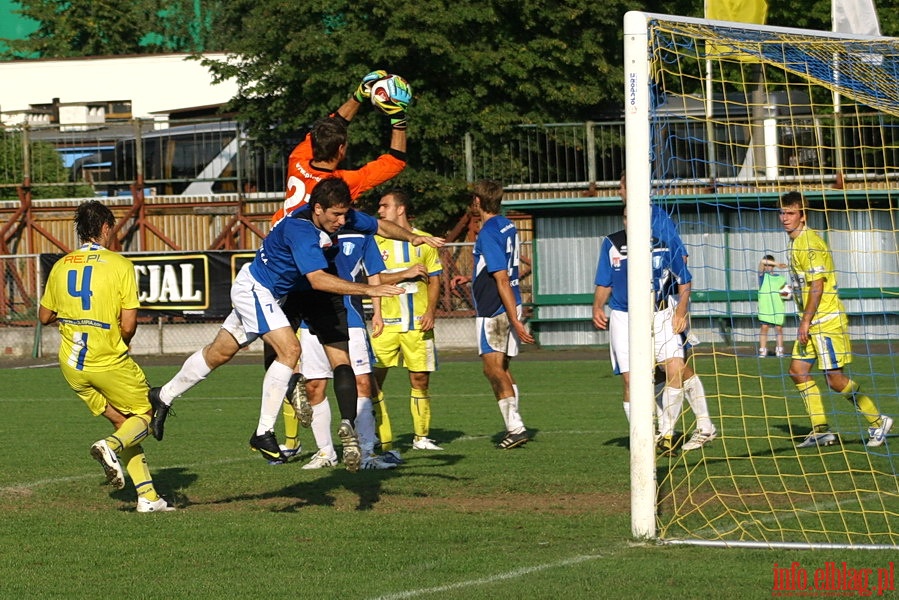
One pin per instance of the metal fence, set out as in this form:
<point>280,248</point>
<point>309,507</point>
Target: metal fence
<point>195,158</point>
<point>218,157</point>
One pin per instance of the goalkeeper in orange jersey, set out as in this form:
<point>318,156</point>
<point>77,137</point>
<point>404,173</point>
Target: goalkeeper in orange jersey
<point>318,157</point>
<point>823,333</point>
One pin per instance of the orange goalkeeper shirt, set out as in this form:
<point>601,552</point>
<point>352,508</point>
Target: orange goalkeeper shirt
<point>302,176</point>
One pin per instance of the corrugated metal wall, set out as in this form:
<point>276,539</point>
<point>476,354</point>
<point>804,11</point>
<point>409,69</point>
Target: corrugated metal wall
<point>725,250</point>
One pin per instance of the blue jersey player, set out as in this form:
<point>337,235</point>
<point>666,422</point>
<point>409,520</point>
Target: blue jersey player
<point>671,286</point>
<point>355,256</point>
<point>497,300</point>
<point>291,259</point>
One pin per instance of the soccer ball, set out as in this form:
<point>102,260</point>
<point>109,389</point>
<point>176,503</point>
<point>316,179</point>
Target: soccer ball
<point>391,94</point>
<point>786,292</point>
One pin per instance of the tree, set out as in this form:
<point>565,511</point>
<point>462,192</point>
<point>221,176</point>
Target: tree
<point>474,66</point>
<point>106,28</point>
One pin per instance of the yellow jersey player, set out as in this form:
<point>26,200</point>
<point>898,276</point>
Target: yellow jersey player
<point>408,336</point>
<point>92,293</point>
<point>823,333</point>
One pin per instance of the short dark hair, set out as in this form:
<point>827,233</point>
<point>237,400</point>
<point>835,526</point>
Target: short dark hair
<point>768,257</point>
<point>90,216</point>
<point>328,135</point>
<point>401,197</point>
<point>794,199</point>
<point>491,195</point>
<point>331,193</point>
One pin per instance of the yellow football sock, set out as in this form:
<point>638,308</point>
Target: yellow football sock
<point>136,464</point>
<point>811,395</point>
<point>420,405</point>
<point>291,426</point>
<point>131,433</point>
<point>863,403</point>
<point>382,420</point>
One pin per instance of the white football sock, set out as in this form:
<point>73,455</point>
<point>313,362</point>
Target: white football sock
<point>365,426</point>
<point>509,409</point>
<point>695,392</point>
<point>274,388</point>
<point>193,371</point>
<point>672,399</point>
<point>321,427</point>
<point>627,410</point>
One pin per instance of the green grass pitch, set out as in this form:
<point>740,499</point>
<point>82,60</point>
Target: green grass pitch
<point>469,522</point>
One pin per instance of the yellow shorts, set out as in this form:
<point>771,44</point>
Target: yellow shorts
<point>414,349</point>
<point>829,343</point>
<point>123,386</point>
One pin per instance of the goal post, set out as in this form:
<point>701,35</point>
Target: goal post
<point>721,120</point>
<point>637,130</point>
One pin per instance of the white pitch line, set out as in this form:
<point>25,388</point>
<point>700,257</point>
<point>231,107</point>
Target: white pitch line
<point>33,367</point>
<point>42,482</point>
<point>514,574</point>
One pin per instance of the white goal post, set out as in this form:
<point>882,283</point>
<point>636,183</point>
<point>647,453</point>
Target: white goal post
<point>721,120</point>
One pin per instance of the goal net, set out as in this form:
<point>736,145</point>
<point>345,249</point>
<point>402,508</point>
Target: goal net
<point>723,119</point>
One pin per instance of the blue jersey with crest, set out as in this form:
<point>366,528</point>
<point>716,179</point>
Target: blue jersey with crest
<point>295,247</point>
<point>496,249</point>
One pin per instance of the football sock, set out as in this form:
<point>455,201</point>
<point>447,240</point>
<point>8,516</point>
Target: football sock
<point>672,399</point>
<point>321,426</point>
<point>136,464</point>
<point>509,410</point>
<point>863,403</point>
<point>345,390</point>
<point>627,410</point>
<point>131,433</point>
<point>695,393</point>
<point>382,420</point>
<point>193,371</point>
<point>365,425</point>
<point>291,425</point>
<point>420,405</point>
<point>274,387</point>
<point>814,406</point>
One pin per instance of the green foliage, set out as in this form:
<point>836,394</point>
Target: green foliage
<point>472,66</point>
<point>106,27</point>
<point>46,168</point>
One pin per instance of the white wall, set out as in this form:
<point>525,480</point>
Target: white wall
<point>152,83</point>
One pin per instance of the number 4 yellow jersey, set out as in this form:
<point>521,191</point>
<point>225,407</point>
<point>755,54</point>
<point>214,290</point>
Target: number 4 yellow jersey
<point>87,289</point>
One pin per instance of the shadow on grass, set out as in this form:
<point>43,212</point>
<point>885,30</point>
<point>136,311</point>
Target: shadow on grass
<point>366,485</point>
<point>621,442</point>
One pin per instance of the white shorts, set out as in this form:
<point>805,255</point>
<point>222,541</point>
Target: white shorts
<point>496,334</point>
<point>256,310</point>
<point>314,362</point>
<point>667,343</point>
<point>618,342</point>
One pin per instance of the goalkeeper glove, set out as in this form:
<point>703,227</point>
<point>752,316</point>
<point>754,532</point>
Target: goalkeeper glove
<point>398,120</point>
<point>363,91</point>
